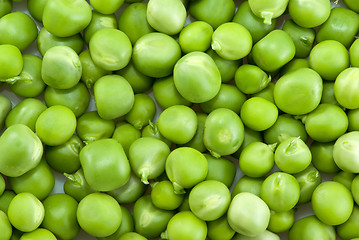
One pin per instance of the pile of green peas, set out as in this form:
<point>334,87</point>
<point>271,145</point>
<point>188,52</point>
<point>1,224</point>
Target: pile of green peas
<point>179,119</point>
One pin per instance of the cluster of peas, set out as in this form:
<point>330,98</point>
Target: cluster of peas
<point>278,96</point>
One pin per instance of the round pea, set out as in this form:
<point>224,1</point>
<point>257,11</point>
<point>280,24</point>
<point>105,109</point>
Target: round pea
<point>5,109</point>
<point>311,228</point>
<point>151,130</point>
<point>196,36</point>
<point>281,221</point>
<point>40,234</point>
<point>353,54</point>
<point>76,185</point>
<point>164,197</point>
<point>5,7</point>
<point>308,180</point>
<point>36,8</point>
<point>107,6</point>
<point>126,134</point>
<point>11,61</point>
<point>248,184</point>
<point>349,229</point>
<point>351,4</point>
<point>344,152</point>
<point>197,141</point>
<point>295,64</point>
<point>251,79</point>
<point>219,229</point>
<point>220,169</point>
<point>5,199</point>
<point>344,88</point>
<point>5,226</point>
<point>142,111</point>
<point>322,157</point>
<point>355,189</point>
<point>132,236</point>
<point>268,9</point>
<point>345,178</point>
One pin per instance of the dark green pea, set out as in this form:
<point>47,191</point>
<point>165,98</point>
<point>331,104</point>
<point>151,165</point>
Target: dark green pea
<point>308,180</point>
<point>36,8</point>
<point>248,184</point>
<point>353,53</point>
<point>281,221</point>
<point>5,226</point>
<point>126,134</point>
<point>5,108</point>
<point>227,68</point>
<point>322,157</point>
<point>130,192</point>
<point>133,21</point>
<point>29,83</point>
<point>99,21</point>
<point>139,82</point>
<point>328,93</point>
<point>228,97</point>
<point>303,38</point>
<point>5,7</point>
<point>350,229</point>
<point>143,111</point>
<point>76,98</point>
<point>65,158</point>
<point>214,14</point>
<point>251,79</point>
<point>345,178</point>
<point>249,137</point>
<point>351,4</point>
<point>164,197</point>
<point>267,93</point>
<point>342,25</point>
<point>286,126</point>
<point>353,115</point>
<point>185,204</point>
<point>150,221</point>
<point>46,40</point>
<point>196,36</point>
<point>311,228</point>
<point>5,199</point>
<point>151,130</point>
<point>2,184</point>
<point>254,24</point>
<point>76,185</point>
<point>294,64</point>
<point>219,229</point>
<point>197,141</point>
<point>91,127</point>
<point>220,169</point>
<point>90,71</point>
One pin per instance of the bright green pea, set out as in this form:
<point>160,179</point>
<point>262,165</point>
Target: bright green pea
<point>185,225</point>
<point>5,199</point>
<point>60,216</point>
<point>254,24</point>
<point>132,236</point>
<point>66,18</point>
<point>328,93</point>
<point>147,157</point>
<point>273,51</point>
<point>345,87</point>
<point>345,178</point>
<point>281,221</point>
<point>266,235</point>
<point>107,6</point>
<point>196,36</point>
<point>178,124</point>
<point>105,156</point>
<point>99,21</point>
<point>55,125</point>
<point>155,54</point>
<point>26,212</point>
<point>309,88</point>
<point>38,234</point>
<point>143,111</point>
<point>251,79</point>
<point>342,25</point>
<point>110,49</point>
<point>16,161</point>
<point>257,159</point>
<point>266,93</point>
<point>248,184</point>
<point>294,64</point>
<point>352,115</point>
<point>151,130</point>
<point>311,228</point>
<point>133,21</point>
<point>332,203</point>
<point>39,181</point>
<point>220,169</point>
<point>5,109</point>
<point>351,4</point>
<point>212,13</point>
<point>5,226</point>
<point>17,29</point>
<point>344,152</point>
<point>164,197</point>
<point>355,189</point>
<point>65,158</point>
<point>76,185</point>
<point>249,137</point>
<point>350,229</point>
<point>107,211</point>
<point>114,96</point>
<point>353,54</point>
<point>197,141</point>
<point>149,220</point>
<point>248,214</point>
<point>231,41</point>
<point>126,134</point>
<point>322,157</point>
<point>11,61</point>
<point>46,40</point>
<point>197,77</point>
<point>308,180</point>
<point>36,8</point>
<point>280,191</point>
<point>5,7</point>
<point>219,229</point>
<point>185,167</point>
<point>268,9</point>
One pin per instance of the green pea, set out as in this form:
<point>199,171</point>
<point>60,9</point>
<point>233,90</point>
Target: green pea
<point>166,16</point>
<point>185,204</point>
<point>126,134</point>
<point>311,228</point>
<point>197,141</point>
<point>26,212</point>
<point>352,115</point>
<point>16,161</point>
<point>249,137</point>
<point>309,88</point>
<point>220,169</point>
<point>332,203</point>
<point>351,4</point>
<point>40,234</point>
<point>273,51</point>
<point>66,18</point>
<point>164,197</point>
<point>248,184</point>
<point>355,189</point>
<point>139,82</point>
<point>36,8</point>
<point>18,29</point>
<point>5,226</point>
<point>266,235</point>
<point>212,13</point>
<point>353,54</point>
<point>2,184</point>
<point>110,49</point>
<point>219,229</point>
<point>11,62</point>
<point>281,221</point>
<point>254,24</point>
<point>349,229</point>
<point>280,191</point>
<point>60,216</point>
<point>55,125</point>
<point>114,96</point>
<point>328,93</point>
<point>5,7</point>
<point>251,79</point>
<point>151,130</point>
<point>143,111</point>
<point>132,190</point>
<point>16,234</point>
<point>132,236</point>
<point>228,97</point>
<point>99,21</point>
<point>267,92</point>
<point>196,36</point>
<point>248,214</point>
<point>342,25</point>
<point>345,178</point>
<point>5,109</point>
<point>39,181</point>
<point>303,38</point>
<point>5,199</point>
<point>107,6</point>
<point>268,9</point>
<point>185,225</point>
<point>46,40</point>
<point>107,210</point>
<point>344,153</point>
<point>257,159</point>
<point>149,220</point>
<point>76,185</point>
<point>344,88</point>
<point>185,167</point>
<point>133,21</point>
<point>105,156</point>
<point>155,54</point>
<point>147,157</point>
<point>294,64</point>
<point>65,158</point>
<point>322,157</point>
<point>308,180</point>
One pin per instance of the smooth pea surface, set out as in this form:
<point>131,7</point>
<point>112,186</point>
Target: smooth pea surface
<point>196,36</point>
<point>268,9</point>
